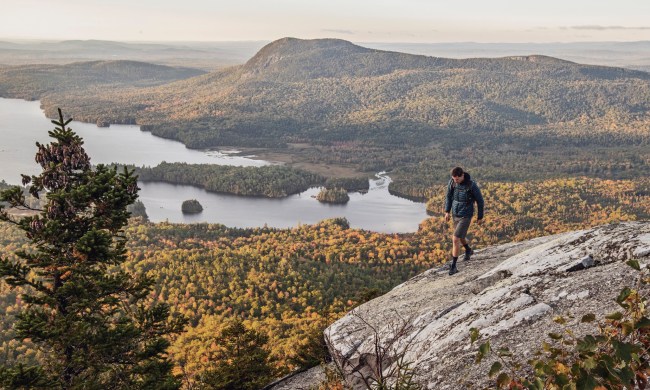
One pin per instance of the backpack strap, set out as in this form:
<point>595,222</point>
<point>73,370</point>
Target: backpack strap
<point>470,195</point>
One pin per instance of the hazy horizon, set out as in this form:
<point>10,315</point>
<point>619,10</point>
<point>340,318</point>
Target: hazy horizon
<point>48,40</point>
<point>404,21</point>
<point>210,55</point>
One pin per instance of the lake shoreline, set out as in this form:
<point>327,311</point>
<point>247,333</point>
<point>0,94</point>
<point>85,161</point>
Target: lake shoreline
<point>295,160</point>
<point>22,123</point>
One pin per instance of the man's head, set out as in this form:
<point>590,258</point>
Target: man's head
<point>458,175</point>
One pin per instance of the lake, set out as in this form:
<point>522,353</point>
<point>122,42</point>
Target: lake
<point>22,123</point>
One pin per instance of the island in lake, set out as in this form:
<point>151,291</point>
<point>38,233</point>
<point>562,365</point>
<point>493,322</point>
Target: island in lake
<point>191,206</point>
<point>333,195</point>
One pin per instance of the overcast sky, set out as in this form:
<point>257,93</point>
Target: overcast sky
<point>354,20</point>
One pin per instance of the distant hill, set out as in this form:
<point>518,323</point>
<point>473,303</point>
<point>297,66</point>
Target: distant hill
<point>204,55</point>
<point>34,81</point>
<point>633,55</point>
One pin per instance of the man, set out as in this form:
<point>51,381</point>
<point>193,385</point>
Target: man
<point>462,192</point>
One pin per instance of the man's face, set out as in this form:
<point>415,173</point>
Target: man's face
<point>458,179</point>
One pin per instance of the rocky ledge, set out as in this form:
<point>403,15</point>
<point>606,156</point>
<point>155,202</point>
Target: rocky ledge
<point>511,293</point>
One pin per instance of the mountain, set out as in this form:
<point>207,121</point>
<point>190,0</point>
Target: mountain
<point>291,59</point>
<point>331,90</point>
<point>511,293</point>
<point>327,89</point>
<point>379,110</point>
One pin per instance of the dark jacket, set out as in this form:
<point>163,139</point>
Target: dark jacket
<point>461,197</point>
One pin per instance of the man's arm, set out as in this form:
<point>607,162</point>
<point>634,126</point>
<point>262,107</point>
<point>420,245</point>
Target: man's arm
<point>449,198</point>
<point>476,192</point>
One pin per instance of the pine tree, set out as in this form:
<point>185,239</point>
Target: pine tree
<point>89,317</point>
<point>243,364</point>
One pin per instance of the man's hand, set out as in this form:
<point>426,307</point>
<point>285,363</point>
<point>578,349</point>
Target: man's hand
<point>479,221</point>
<point>447,217</point>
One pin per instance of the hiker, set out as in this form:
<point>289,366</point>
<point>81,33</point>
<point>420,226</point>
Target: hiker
<point>462,192</point>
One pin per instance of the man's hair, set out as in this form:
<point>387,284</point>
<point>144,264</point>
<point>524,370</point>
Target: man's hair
<point>457,172</point>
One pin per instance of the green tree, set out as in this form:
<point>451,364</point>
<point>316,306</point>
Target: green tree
<point>244,364</point>
<point>88,316</point>
<point>333,195</point>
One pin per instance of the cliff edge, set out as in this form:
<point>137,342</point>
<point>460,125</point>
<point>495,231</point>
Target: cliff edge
<point>511,293</point>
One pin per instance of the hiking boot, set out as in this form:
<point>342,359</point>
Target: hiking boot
<point>453,269</point>
<point>468,254</point>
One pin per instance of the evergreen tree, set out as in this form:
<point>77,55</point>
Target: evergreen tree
<point>87,315</point>
<point>244,364</point>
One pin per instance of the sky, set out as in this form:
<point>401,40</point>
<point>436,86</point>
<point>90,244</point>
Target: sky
<point>354,20</point>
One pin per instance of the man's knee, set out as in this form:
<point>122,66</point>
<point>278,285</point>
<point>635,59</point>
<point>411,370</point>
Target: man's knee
<point>456,240</point>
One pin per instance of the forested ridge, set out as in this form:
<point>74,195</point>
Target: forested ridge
<point>288,283</point>
<point>89,79</point>
<point>340,92</point>
<point>373,110</point>
<point>332,90</point>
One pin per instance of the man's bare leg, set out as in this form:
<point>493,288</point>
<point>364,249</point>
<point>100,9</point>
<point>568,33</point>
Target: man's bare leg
<point>455,250</point>
<point>456,241</point>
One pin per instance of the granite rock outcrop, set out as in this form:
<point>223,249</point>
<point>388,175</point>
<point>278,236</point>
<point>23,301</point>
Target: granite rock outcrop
<point>510,292</point>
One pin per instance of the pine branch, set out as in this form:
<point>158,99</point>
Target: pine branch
<point>15,275</point>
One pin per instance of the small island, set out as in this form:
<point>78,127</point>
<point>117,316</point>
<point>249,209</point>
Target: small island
<point>191,206</point>
<point>333,195</point>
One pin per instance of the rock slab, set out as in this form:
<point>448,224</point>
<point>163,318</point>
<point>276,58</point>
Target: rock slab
<point>511,293</point>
